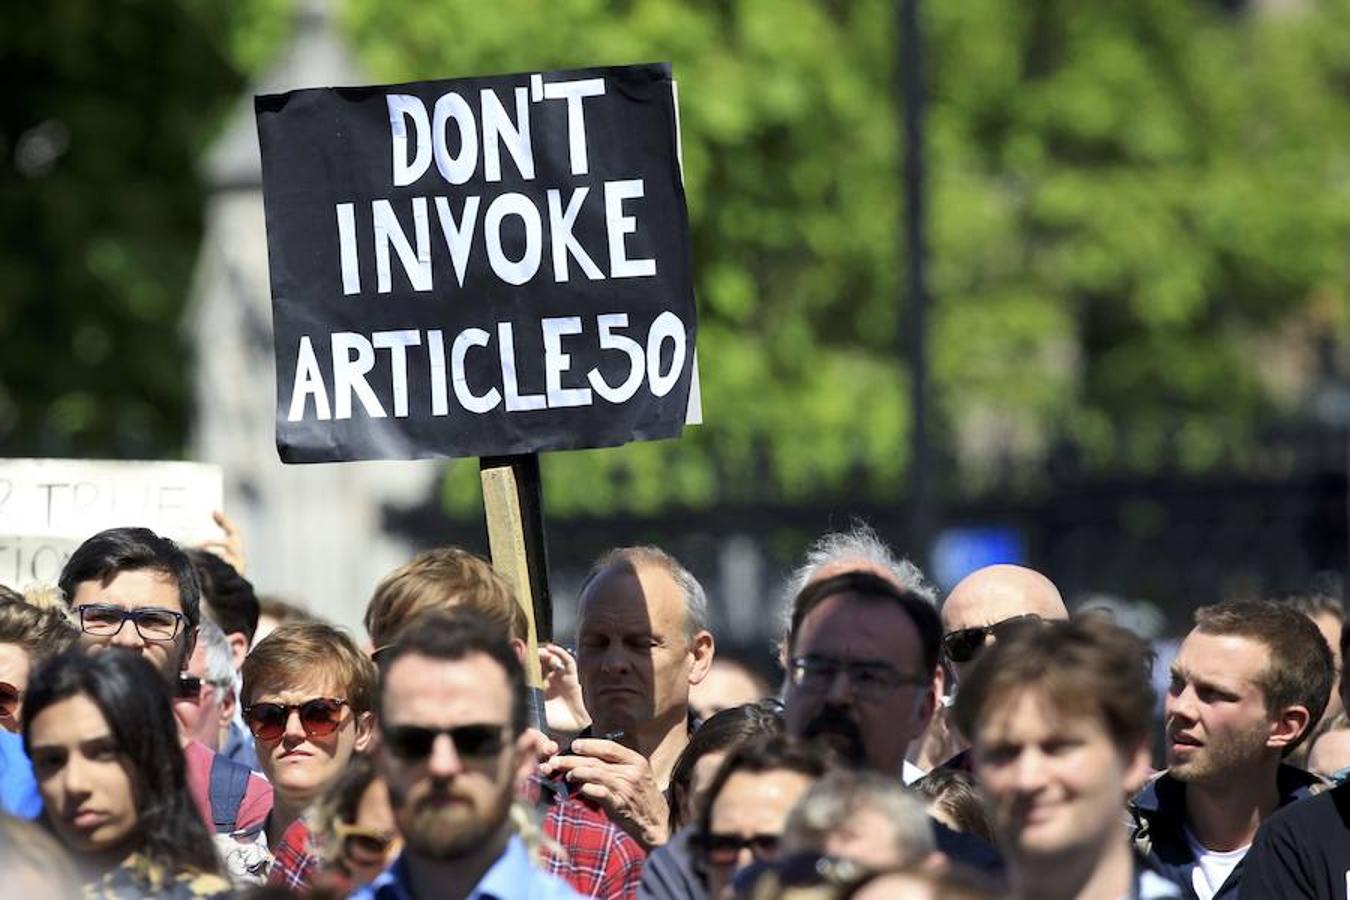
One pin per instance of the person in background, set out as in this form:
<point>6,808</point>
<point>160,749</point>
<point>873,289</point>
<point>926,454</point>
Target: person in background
<point>29,634</point>
<point>1330,753</point>
<point>729,682</point>
<point>669,871</point>
<point>309,696</point>
<point>1303,849</point>
<point>747,806</point>
<point>1247,684</point>
<point>583,846</point>
<point>1327,613</point>
<point>205,703</point>
<point>1059,720</point>
<point>131,589</point>
<point>642,643</point>
<point>453,750</point>
<point>990,602</point>
<point>106,753</point>
<point>228,600</point>
<point>356,828</point>
<point>862,816</point>
<point>954,799</point>
<point>274,611</point>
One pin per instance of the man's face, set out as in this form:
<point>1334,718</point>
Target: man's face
<point>449,803</point>
<point>139,589</point>
<point>1055,783</point>
<point>994,594</point>
<point>634,660</point>
<point>200,717</point>
<point>1217,722</point>
<point>849,630</point>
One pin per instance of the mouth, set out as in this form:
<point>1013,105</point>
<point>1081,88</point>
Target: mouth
<point>87,819</point>
<point>1184,741</point>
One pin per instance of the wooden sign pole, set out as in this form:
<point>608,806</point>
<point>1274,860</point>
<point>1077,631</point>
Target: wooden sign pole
<point>515,523</point>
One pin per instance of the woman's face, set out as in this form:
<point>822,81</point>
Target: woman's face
<point>14,668</point>
<point>87,785</point>
<point>301,764</point>
<point>365,852</point>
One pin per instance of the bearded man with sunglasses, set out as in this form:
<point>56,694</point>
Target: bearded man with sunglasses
<point>453,750</point>
<point>129,588</point>
<point>308,699</point>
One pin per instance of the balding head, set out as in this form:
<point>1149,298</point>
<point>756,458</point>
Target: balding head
<point>995,593</point>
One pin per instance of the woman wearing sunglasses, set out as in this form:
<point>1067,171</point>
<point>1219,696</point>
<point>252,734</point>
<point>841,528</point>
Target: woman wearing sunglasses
<point>104,746</point>
<point>29,634</point>
<point>307,698</point>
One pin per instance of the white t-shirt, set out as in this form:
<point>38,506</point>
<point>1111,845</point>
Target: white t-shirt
<point>1212,867</point>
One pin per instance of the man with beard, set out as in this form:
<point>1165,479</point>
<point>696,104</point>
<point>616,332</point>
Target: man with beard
<point>1247,685</point>
<point>452,718</point>
<point>861,654</point>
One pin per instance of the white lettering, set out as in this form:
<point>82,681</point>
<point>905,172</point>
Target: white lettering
<point>417,266</point>
<point>351,266</point>
<point>515,401</point>
<point>618,225</point>
<point>474,403</point>
<point>574,92</point>
<point>666,327</point>
<point>611,341</point>
<point>397,342</point>
<point>508,270</point>
<point>459,168</point>
<point>556,362</point>
<point>349,375</point>
<point>401,108</point>
<point>498,128</point>
<point>458,235</point>
<point>560,225</point>
<point>308,381</point>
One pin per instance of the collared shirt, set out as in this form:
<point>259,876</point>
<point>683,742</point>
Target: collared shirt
<point>594,856</point>
<point>295,859</point>
<point>511,877</point>
<point>239,747</point>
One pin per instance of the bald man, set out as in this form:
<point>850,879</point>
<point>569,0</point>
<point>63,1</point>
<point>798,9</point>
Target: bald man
<point>990,600</point>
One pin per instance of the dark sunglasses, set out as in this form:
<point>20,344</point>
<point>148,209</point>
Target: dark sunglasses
<point>413,742</point>
<point>319,717</point>
<point>9,699</point>
<point>723,849</point>
<point>964,645</point>
<point>363,846</point>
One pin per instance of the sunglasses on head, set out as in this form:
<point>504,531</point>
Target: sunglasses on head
<point>965,644</point>
<point>319,717</point>
<point>9,699</point>
<point>724,849</point>
<point>413,742</point>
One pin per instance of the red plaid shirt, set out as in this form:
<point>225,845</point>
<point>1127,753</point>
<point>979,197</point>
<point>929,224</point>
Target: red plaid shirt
<point>294,859</point>
<point>595,856</point>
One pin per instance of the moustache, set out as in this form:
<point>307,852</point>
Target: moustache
<point>834,729</point>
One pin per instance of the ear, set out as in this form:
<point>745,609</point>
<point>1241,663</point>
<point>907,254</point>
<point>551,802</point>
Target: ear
<point>238,648</point>
<point>189,644</point>
<point>227,704</point>
<point>926,704</point>
<point>1138,766</point>
<point>518,647</point>
<point>365,731</point>
<point>1289,725</point>
<point>702,648</point>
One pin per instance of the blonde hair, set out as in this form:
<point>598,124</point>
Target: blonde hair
<point>297,652</point>
<point>444,579</point>
<point>36,621</point>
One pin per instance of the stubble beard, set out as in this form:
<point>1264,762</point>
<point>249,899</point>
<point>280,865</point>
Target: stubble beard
<point>447,832</point>
<point>1222,759</point>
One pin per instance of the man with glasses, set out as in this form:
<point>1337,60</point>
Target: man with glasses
<point>131,589</point>
<point>861,654</point>
<point>451,715</point>
<point>990,602</point>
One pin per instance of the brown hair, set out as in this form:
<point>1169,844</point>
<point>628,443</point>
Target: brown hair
<point>1300,672</point>
<point>958,795</point>
<point>40,632</point>
<point>301,651</point>
<point>1083,666</point>
<point>444,579</point>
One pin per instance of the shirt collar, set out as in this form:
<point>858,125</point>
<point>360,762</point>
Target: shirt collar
<point>502,880</point>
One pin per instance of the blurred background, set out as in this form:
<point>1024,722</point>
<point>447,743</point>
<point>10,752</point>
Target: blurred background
<point>1127,328</point>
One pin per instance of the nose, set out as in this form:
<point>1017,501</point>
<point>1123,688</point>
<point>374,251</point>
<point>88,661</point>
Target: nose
<point>744,858</point>
<point>1029,774</point>
<point>614,659</point>
<point>840,691</point>
<point>75,779</point>
<point>295,729</point>
<point>444,760</point>
<point>1180,705</point>
<point>127,636</point>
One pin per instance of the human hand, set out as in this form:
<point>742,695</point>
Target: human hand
<point>230,547</point>
<point>563,704</point>
<point>621,781</point>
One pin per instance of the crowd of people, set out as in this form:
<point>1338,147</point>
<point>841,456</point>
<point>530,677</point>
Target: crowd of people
<point>166,733</point>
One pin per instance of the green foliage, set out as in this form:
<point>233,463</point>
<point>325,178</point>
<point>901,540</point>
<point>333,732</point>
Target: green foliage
<point>1129,201</point>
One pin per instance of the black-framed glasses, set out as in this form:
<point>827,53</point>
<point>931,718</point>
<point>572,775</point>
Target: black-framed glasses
<point>723,849</point>
<point>414,742</point>
<point>870,680</point>
<point>319,717</point>
<point>153,623</point>
<point>963,645</point>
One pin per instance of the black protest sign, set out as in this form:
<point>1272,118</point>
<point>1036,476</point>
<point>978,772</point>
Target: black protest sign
<point>478,266</point>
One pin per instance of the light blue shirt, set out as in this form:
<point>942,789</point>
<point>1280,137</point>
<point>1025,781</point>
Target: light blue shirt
<point>511,877</point>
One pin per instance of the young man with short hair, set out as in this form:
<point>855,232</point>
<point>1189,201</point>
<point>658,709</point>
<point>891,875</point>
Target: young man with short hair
<point>1247,685</point>
<point>1059,720</point>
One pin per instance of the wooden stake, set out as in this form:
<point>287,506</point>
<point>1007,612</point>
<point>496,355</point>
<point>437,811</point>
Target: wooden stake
<point>515,523</point>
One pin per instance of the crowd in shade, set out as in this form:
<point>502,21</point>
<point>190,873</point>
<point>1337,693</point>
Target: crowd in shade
<point>168,733</point>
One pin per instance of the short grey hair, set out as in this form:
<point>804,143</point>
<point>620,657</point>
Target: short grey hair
<point>695,599</point>
<point>219,669</point>
<point>861,544</point>
<point>840,795</point>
